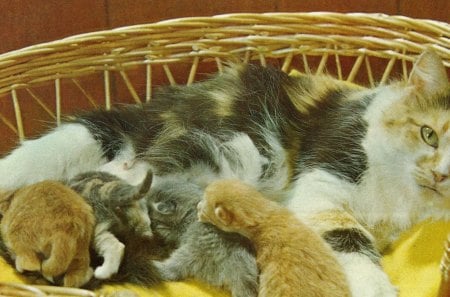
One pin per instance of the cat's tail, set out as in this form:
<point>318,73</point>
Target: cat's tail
<point>144,187</point>
<point>128,194</point>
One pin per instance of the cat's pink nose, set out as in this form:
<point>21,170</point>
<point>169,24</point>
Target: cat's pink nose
<point>439,177</point>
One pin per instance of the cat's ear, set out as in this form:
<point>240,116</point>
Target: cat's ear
<point>428,76</point>
<point>224,216</point>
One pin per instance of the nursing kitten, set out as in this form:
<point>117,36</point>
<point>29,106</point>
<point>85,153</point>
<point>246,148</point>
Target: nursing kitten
<point>201,251</point>
<point>119,208</point>
<point>292,258</point>
<point>358,165</point>
<point>47,227</point>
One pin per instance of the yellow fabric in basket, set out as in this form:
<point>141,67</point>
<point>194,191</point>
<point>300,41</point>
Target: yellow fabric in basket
<point>413,261</point>
<point>412,264</point>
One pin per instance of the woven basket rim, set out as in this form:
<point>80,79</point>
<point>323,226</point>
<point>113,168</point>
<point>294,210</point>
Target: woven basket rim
<point>232,18</point>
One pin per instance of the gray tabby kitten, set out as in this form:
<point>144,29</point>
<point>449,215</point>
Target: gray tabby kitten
<point>119,208</point>
<point>202,251</point>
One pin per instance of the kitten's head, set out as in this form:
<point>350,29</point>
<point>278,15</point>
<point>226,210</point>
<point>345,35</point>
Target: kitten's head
<point>419,124</point>
<point>172,206</point>
<point>232,206</point>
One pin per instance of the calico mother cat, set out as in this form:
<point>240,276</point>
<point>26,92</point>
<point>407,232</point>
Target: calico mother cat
<point>359,165</point>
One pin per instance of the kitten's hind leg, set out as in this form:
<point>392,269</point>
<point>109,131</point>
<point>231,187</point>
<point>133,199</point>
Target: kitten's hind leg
<point>27,260</point>
<point>61,153</point>
<point>112,251</point>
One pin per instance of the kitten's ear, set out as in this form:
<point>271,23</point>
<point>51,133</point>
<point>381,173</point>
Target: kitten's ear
<point>428,76</point>
<point>223,215</point>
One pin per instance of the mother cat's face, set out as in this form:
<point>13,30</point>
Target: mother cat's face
<point>417,123</point>
<point>432,168</point>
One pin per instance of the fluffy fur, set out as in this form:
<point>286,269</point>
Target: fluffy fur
<point>201,251</point>
<point>119,208</point>
<point>293,259</point>
<point>48,227</point>
<point>358,165</point>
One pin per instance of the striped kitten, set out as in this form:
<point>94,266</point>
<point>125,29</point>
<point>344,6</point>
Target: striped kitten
<point>358,165</point>
<point>119,208</point>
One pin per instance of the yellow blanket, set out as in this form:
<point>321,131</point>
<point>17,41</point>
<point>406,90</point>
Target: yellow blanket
<point>412,264</point>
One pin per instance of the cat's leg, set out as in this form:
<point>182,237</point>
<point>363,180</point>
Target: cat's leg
<point>26,260</point>
<point>174,267</point>
<point>63,249</point>
<point>79,272</point>
<point>110,248</point>
<point>65,151</point>
<point>316,200</point>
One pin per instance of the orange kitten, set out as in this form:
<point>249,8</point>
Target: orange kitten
<point>294,261</point>
<point>48,222</point>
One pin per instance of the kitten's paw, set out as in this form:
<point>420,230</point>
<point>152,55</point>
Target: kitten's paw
<point>165,270</point>
<point>104,272</point>
<point>27,263</point>
<point>78,278</point>
<point>366,279</point>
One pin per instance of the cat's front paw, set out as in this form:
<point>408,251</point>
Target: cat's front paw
<point>104,272</point>
<point>366,279</point>
<point>167,270</point>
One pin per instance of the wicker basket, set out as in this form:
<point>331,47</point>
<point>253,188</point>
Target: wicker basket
<point>39,84</point>
<point>444,290</point>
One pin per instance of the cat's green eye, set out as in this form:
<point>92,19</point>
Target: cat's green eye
<point>429,136</point>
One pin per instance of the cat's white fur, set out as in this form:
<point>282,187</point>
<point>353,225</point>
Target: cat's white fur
<point>63,153</point>
<point>111,249</point>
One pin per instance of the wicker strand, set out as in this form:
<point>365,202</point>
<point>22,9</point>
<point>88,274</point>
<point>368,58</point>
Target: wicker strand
<point>107,85</point>
<point>388,70</point>
<point>85,93</point>
<point>369,72</point>
<point>18,114</point>
<point>58,100</point>
<point>130,87</point>
<point>169,75</point>
<point>355,68</point>
<point>148,82</point>
<point>193,71</point>
<point>41,103</point>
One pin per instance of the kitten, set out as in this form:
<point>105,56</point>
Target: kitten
<point>119,208</point>
<point>293,259</point>
<point>48,227</point>
<point>201,251</point>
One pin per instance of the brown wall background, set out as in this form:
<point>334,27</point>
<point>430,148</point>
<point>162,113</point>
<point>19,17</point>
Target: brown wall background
<point>27,22</point>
